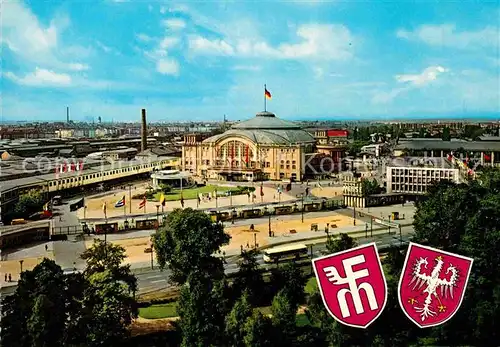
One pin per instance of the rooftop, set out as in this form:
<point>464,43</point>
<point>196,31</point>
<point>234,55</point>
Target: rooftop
<point>266,128</point>
<point>437,144</point>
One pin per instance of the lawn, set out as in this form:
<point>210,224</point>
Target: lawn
<point>192,193</point>
<point>159,311</point>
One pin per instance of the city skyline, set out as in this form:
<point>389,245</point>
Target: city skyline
<point>199,61</point>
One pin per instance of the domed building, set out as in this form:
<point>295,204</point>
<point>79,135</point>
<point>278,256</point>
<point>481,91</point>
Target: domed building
<point>264,147</point>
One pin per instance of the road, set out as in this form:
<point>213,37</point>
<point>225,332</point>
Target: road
<point>152,280</point>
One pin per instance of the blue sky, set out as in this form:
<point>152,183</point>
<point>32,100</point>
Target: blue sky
<point>201,60</point>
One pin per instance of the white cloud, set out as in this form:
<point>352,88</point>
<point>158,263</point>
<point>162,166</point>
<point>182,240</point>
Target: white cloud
<point>428,75</point>
<point>202,45</point>
<point>78,67</point>
<point>168,67</point>
<point>168,42</point>
<point>412,81</point>
<point>143,37</point>
<point>174,23</point>
<point>316,41</point>
<point>447,35</point>
<point>41,77</point>
<point>24,35</point>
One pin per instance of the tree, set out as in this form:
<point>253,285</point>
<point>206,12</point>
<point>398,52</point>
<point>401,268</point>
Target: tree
<point>291,281</point>
<point>109,294</point>
<point>249,277</point>
<point>104,256</point>
<point>187,243</point>
<point>29,202</point>
<point>36,315</point>
<point>465,219</point>
<point>283,318</point>
<point>259,331</point>
<point>202,308</point>
<point>343,243</point>
<point>110,309</point>
<point>446,136</point>
<point>370,187</point>
<point>235,321</point>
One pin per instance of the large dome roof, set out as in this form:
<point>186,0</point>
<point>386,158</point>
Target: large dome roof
<point>266,128</point>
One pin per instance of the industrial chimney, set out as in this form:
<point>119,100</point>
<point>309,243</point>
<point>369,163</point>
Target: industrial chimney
<point>144,131</point>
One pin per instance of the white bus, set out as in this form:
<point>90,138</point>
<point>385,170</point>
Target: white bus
<point>290,252</point>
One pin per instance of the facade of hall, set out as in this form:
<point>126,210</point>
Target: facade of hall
<point>261,148</point>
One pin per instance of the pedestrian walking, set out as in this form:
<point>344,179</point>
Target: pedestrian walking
<point>5,277</point>
<point>46,248</point>
<point>10,278</point>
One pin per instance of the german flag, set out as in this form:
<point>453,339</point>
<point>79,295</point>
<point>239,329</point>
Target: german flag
<point>267,93</point>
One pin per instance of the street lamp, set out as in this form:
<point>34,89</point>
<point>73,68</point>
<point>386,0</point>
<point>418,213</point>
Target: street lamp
<point>233,215</point>
<point>21,264</point>
<point>157,216</point>
<point>366,230</point>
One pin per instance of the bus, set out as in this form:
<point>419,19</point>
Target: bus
<point>290,252</point>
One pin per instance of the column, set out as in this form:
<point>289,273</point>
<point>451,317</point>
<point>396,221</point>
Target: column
<point>432,153</point>
<point>442,154</point>
<point>482,158</point>
<point>492,158</point>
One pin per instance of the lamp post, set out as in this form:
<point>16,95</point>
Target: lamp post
<point>21,264</point>
<point>255,240</point>
<point>302,208</point>
<point>366,230</point>
<point>233,214</point>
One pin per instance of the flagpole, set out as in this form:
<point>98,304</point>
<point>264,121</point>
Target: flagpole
<point>265,98</point>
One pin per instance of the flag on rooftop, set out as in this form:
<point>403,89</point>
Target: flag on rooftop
<point>267,93</point>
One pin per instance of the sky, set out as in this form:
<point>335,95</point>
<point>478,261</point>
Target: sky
<point>199,61</point>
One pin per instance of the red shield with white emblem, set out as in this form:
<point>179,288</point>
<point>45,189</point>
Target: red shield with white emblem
<point>352,285</point>
<point>432,284</point>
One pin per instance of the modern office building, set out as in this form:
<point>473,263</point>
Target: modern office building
<point>415,179</point>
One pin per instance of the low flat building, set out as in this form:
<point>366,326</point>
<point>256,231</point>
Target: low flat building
<point>485,152</point>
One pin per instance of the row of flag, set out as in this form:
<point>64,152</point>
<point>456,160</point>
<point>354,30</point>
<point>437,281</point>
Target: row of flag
<point>142,204</point>
<point>69,168</point>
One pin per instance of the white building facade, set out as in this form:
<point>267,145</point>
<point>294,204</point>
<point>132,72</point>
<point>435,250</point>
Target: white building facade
<point>416,180</point>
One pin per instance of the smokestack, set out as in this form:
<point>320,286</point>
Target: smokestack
<point>67,114</point>
<point>144,131</point>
